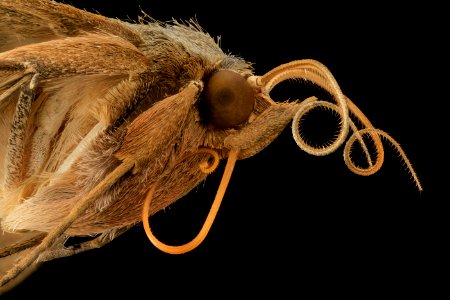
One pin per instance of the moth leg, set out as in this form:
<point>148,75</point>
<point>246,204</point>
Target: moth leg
<point>130,164</point>
<point>14,246</point>
<point>55,234</point>
<point>59,250</point>
<point>15,148</point>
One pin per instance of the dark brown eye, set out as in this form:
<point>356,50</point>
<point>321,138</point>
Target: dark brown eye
<point>228,100</point>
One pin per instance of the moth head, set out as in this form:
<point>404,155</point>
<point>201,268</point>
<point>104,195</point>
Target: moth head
<point>269,118</point>
<point>228,100</point>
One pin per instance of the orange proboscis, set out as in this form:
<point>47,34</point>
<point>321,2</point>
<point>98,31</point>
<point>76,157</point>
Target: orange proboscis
<point>180,249</point>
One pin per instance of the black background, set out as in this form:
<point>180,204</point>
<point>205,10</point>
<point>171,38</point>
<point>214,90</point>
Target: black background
<point>291,223</point>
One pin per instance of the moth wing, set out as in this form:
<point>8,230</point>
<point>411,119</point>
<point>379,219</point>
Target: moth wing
<point>35,21</point>
<point>67,112</point>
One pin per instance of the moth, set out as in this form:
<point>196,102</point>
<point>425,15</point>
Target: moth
<point>105,122</point>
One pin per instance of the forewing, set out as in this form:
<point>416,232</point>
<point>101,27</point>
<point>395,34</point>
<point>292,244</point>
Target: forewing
<point>33,21</point>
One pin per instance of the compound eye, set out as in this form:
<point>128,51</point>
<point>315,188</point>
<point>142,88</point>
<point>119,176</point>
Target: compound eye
<point>228,100</point>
